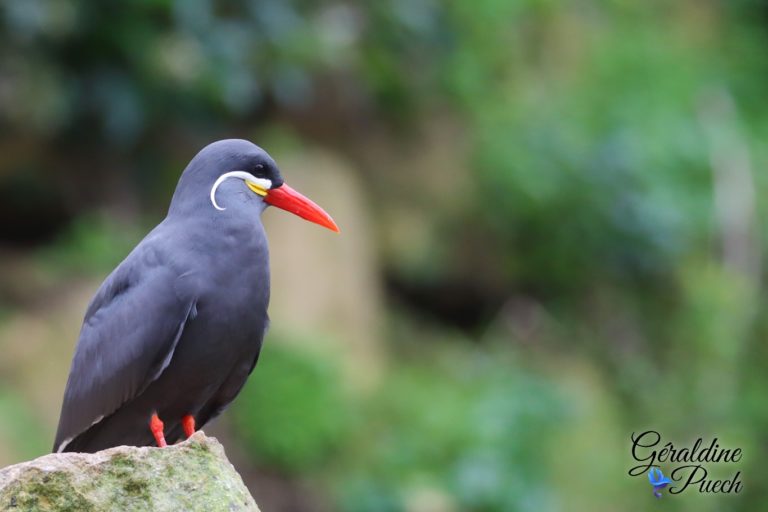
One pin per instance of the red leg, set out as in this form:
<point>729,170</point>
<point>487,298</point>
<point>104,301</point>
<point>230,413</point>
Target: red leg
<point>188,422</point>
<point>156,426</point>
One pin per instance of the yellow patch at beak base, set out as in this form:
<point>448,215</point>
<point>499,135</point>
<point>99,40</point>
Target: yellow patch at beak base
<point>257,189</point>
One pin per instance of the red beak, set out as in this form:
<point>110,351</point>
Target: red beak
<point>289,200</point>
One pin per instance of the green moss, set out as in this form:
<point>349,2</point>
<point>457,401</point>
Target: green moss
<point>170,471</point>
<point>199,447</point>
<point>46,492</point>
<point>119,467</point>
<point>120,460</point>
<point>137,487</point>
<point>193,477</point>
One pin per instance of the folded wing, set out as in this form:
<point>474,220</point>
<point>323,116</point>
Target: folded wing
<point>128,338</point>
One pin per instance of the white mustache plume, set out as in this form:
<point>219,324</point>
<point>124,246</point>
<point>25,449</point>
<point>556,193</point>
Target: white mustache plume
<point>245,176</point>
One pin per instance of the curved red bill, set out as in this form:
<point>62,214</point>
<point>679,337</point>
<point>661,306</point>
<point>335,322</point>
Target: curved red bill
<point>289,200</point>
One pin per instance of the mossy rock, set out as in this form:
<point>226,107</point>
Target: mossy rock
<point>192,476</point>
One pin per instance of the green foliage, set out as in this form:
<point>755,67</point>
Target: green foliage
<point>90,244</point>
<point>129,67</point>
<point>292,412</point>
<point>605,122</point>
<point>465,426</point>
<point>470,430</point>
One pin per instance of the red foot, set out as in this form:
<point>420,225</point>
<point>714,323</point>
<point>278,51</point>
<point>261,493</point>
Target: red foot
<point>156,426</point>
<point>188,422</point>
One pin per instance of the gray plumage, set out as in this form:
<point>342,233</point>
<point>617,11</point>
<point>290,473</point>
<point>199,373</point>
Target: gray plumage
<point>177,327</point>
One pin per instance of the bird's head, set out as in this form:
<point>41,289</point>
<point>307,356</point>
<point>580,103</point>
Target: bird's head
<point>255,174</point>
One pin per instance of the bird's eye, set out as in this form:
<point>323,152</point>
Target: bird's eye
<point>259,169</point>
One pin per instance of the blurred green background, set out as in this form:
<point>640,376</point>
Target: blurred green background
<point>550,218</point>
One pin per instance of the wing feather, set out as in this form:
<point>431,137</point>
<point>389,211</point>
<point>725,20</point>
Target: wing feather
<point>128,338</point>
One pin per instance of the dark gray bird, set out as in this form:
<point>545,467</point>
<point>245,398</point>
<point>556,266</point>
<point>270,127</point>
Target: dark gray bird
<point>173,333</point>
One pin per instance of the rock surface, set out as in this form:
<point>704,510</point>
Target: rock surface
<point>191,476</point>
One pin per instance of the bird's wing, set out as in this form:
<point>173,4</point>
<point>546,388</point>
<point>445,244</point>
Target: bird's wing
<point>128,337</point>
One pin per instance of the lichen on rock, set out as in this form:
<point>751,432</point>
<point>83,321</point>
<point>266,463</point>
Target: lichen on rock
<point>191,476</point>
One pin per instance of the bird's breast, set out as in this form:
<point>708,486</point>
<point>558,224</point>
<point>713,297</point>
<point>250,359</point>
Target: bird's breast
<point>237,290</point>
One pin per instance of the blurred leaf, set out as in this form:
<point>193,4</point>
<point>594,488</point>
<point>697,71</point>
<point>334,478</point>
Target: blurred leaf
<point>291,413</point>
